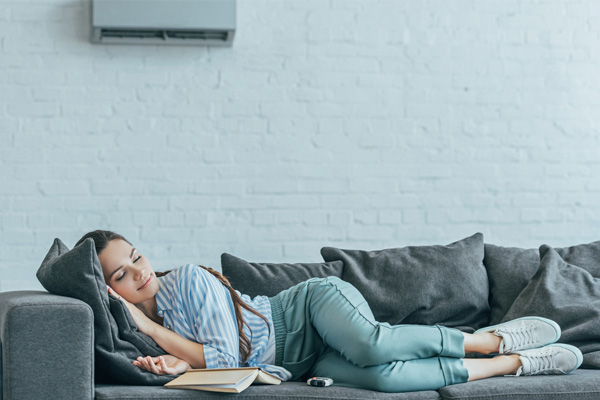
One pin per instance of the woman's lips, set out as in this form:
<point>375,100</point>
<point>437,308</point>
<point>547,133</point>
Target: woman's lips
<point>146,283</point>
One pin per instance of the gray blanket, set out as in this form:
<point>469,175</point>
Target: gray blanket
<point>77,273</point>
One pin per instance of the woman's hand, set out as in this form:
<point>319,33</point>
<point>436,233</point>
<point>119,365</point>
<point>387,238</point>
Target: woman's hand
<point>143,323</point>
<point>162,365</point>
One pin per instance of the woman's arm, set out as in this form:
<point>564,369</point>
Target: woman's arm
<point>209,310</point>
<point>176,345</point>
<point>172,343</point>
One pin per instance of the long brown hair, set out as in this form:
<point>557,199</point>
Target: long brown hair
<point>101,239</point>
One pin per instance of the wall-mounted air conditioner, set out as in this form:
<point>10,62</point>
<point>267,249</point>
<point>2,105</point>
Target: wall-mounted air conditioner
<point>178,22</point>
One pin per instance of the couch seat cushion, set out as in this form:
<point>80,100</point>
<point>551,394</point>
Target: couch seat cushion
<point>581,384</point>
<point>285,391</point>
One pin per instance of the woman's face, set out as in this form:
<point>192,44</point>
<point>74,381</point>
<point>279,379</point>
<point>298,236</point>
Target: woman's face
<point>128,272</point>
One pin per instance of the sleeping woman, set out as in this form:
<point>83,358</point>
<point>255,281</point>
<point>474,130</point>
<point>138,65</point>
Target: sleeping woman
<point>320,327</point>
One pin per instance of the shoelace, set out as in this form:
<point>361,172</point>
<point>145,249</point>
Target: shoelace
<point>543,361</point>
<point>519,337</point>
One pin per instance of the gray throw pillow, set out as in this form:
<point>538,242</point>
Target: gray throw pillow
<point>268,279</point>
<point>568,295</point>
<point>510,269</point>
<point>427,285</point>
<point>77,273</point>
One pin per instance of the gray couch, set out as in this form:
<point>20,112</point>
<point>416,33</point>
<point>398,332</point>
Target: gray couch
<point>48,341</point>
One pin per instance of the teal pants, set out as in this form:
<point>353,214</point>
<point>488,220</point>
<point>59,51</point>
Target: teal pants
<point>324,327</point>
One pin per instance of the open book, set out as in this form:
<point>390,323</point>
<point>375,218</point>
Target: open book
<point>230,380</point>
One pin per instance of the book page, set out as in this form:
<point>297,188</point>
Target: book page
<point>267,378</point>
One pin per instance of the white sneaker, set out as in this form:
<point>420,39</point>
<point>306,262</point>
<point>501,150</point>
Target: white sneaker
<point>549,360</point>
<point>524,333</point>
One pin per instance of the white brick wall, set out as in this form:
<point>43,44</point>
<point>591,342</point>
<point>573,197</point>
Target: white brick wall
<point>353,123</point>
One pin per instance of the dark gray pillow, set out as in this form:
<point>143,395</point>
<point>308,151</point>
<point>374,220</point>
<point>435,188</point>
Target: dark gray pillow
<point>77,273</point>
<point>268,279</point>
<point>509,270</point>
<point>427,285</point>
<point>568,295</point>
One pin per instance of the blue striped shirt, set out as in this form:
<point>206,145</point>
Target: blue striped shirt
<point>194,304</point>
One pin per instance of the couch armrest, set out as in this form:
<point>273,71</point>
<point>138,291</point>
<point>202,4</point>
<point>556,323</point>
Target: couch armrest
<point>47,346</point>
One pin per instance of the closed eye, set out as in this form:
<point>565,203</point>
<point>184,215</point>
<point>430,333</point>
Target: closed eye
<point>136,260</point>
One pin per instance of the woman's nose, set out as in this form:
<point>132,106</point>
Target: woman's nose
<point>140,273</point>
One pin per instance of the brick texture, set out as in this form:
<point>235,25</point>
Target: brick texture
<point>351,123</point>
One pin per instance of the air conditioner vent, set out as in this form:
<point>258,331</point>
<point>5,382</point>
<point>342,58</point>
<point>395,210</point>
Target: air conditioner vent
<point>160,35</point>
<point>200,35</point>
<point>129,34</point>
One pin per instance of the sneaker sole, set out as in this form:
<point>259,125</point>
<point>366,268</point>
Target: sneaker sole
<point>549,321</point>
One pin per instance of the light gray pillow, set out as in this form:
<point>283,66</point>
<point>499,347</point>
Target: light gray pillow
<point>268,279</point>
<point>77,273</point>
<point>510,269</point>
<point>427,285</point>
<point>568,295</point>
